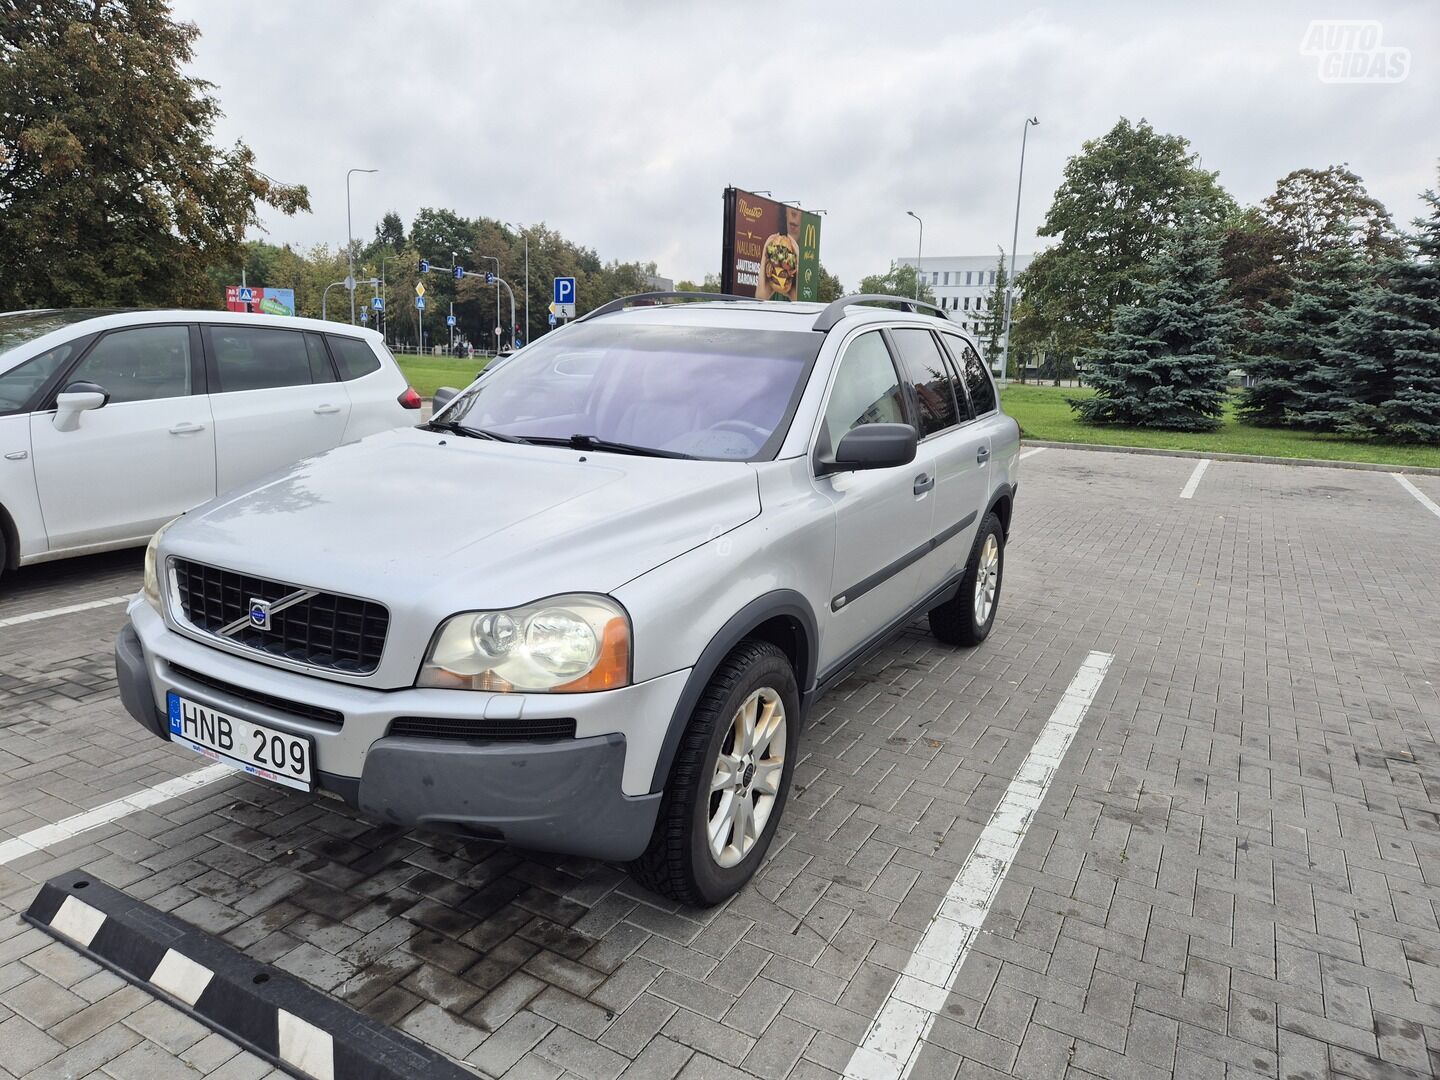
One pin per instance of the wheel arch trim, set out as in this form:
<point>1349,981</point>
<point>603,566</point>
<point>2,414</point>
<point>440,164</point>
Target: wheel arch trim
<point>781,603</point>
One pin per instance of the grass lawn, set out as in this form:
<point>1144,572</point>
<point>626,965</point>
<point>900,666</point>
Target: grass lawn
<point>1044,413</point>
<point>429,373</point>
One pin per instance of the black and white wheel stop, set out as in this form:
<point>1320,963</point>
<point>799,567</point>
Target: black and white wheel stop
<point>267,1011</point>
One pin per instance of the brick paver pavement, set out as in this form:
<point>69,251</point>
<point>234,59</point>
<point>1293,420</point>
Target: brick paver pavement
<point>1233,873</point>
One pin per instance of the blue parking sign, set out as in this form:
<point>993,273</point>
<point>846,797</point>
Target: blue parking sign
<point>564,290</point>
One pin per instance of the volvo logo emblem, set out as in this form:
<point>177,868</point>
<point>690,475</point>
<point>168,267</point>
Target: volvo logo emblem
<point>259,613</point>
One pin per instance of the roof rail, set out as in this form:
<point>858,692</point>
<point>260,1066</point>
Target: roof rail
<point>836,311</point>
<point>621,303</point>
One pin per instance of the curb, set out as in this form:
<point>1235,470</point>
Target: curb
<point>295,1027</point>
<point>1260,459</point>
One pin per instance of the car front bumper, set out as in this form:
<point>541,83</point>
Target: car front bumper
<point>588,795</point>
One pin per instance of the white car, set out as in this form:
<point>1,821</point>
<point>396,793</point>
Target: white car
<point>112,423</point>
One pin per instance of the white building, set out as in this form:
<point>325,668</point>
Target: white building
<point>964,285</point>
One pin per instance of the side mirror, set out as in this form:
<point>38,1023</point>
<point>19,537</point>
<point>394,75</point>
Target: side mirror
<point>875,446</point>
<point>443,397</point>
<point>77,398</point>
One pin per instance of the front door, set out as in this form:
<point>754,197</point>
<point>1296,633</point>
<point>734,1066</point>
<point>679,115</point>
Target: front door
<point>144,457</point>
<point>882,516</point>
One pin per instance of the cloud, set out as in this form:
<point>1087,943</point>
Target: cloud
<point>620,123</point>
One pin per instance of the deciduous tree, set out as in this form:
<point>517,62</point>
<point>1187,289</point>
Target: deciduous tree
<point>111,192</point>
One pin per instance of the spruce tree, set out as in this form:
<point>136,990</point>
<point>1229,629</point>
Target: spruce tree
<point>1285,355</point>
<point>1382,375</point>
<point>1163,362</point>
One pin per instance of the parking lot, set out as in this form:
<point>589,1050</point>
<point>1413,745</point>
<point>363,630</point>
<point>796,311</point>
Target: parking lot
<point>1232,872</point>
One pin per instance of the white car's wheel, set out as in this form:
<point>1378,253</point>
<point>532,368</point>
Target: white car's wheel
<point>966,618</point>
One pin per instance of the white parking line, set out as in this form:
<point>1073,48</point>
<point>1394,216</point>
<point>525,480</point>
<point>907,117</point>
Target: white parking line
<point>1032,453</point>
<point>88,605</point>
<point>1425,500</point>
<point>892,1042</point>
<point>49,835</point>
<point>1190,485</point>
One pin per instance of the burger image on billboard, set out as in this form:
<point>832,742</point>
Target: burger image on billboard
<point>778,268</point>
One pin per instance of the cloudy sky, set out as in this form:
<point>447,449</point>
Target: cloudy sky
<point>619,123</point>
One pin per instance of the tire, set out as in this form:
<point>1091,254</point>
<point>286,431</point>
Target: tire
<point>681,862</point>
<point>959,620</point>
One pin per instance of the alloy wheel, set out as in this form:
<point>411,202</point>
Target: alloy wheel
<point>987,579</point>
<point>747,777</point>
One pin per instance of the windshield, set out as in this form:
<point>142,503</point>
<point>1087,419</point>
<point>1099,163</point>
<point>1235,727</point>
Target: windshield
<point>701,391</point>
<point>18,327</point>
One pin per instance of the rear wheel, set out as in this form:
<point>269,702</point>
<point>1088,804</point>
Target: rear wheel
<point>967,617</point>
<point>727,788</point>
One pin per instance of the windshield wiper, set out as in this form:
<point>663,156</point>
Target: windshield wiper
<point>592,442</point>
<point>457,428</point>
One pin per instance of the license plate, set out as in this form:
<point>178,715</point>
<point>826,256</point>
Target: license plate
<point>261,751</point>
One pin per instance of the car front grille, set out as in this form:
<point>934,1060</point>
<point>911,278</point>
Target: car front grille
<point>435,727</point>
<point>324,630</point>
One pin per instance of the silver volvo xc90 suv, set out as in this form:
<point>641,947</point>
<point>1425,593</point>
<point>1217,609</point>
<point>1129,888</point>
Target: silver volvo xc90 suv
<point>587,606</point>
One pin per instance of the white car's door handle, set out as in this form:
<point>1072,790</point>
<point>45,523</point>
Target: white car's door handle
<point>324,410</point>
<point>186,428</point>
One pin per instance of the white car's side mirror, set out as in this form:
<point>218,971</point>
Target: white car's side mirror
<point>77,398</point>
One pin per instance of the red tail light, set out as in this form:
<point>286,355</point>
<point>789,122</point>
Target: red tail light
<point>410,399</point>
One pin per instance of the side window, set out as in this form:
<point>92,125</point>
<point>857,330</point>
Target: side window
<point>977,379</point>
<point>23,382</point>
<point>353,357</point>
<point>930,376</point>
<point>144,364</point>
<point>866,390</point>
<point>320,369</point>
<point>258,358</point>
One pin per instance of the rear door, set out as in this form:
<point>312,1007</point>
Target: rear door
<point>275,399</point>
<point>882,516</point>
<point>960,448</point>
<point>145,456</point>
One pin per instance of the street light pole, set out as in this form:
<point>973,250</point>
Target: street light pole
<point>919,248</point>
<point>526,235</point>
<point>350,244</point>
<point>1014,242</point>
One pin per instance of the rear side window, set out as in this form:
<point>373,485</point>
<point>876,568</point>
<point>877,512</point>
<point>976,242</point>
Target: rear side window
<point>353,357</point>
<point>23,382</point>
<point>977,379</point>
<point>866,391</point>
<point>935,391</point>
<point>147,363</point>
<point>320,369</point>
<point>258,358</point>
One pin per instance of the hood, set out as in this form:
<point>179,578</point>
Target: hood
<point>433,521</point>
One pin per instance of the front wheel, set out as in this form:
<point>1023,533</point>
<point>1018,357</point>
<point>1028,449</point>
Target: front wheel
<point>727,788</point>
<point>966,618</point>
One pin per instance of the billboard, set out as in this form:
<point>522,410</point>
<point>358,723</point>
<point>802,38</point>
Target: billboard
<point>259,301</point>
<point>770,251</point>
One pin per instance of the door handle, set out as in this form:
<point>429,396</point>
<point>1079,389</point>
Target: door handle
<point>325,410</point>
<point>982,455</point>
<point>17,455</point>
<point>923,483</point>
<point>186,428</point>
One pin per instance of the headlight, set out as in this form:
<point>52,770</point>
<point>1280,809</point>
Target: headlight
<point>562,645</point>
<point>152,569</point>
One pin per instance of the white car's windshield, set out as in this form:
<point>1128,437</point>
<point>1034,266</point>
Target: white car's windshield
<point>698,391</point>
<point>18,327</point>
